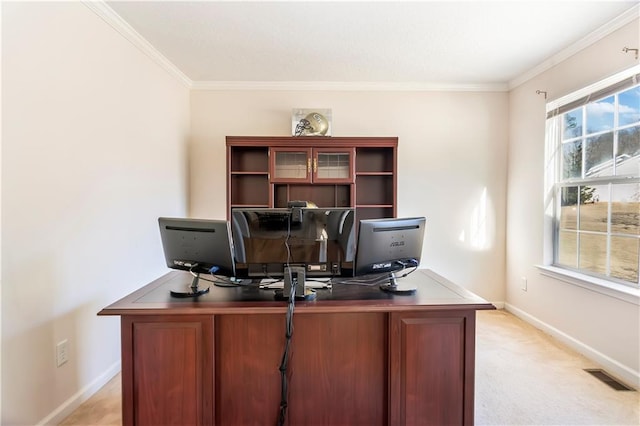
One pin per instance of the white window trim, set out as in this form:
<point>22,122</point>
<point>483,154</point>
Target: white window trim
<point>598,285</point>
<point>551,105</point>
<point>603,286</point>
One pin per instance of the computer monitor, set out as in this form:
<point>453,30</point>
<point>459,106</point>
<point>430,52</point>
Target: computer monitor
<point>319,239</point>
<point>388,246</point>
<point>198,246</point>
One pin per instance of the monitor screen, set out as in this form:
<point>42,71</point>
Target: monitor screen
<point>389,245</point>
<point>197,245</point>
<point>321,239</point>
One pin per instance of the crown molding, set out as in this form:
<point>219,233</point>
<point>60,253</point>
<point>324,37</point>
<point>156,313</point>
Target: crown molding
<point>348,86</point>
<point>100,8</point>
<point>623,19</point>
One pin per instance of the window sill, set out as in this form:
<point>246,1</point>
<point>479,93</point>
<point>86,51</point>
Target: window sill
<point>608,288</point>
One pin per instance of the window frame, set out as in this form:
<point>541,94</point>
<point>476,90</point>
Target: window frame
<point>554,182</point>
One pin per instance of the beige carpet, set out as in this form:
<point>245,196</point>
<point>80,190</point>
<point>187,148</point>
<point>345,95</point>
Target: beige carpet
<point>523,377</point>
<point>103,408</point>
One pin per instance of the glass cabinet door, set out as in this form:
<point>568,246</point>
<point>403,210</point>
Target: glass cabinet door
<point>291,165</point>
<point>333,165</point>
<point>317,165</point>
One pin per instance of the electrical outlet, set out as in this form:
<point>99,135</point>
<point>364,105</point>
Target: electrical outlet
<point>524,284</point>
<point>62,352</point>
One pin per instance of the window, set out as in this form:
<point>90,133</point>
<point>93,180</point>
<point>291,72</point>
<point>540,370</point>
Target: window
<point>593,170</point>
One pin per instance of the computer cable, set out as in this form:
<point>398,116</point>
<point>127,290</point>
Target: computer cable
<point>375,279</point>
<point>217,280</point>
<point>409,263</point>
<point>222,281</point>
<point>284,364</point>
<point>366,280</point>
<point>363,280</point>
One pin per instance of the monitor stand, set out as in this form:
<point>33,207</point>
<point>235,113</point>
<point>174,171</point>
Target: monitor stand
<point>193,290</point>
<point>397,288</point>
<point>294,283</point>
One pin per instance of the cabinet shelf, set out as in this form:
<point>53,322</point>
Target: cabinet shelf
<point>248,189</point>
<point>252,159</point>
<point>249,173</point>
<point>250,205</point>
<point>375,173</point>
<point>375,160</point>
<point>357,172</point>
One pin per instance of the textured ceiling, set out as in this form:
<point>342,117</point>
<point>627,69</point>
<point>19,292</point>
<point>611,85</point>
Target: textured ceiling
<point>435,42</point>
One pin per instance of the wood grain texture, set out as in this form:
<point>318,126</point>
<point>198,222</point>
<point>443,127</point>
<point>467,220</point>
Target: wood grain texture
<point>359,356</point>
<point>434,293</point>
<point>169,371</point>
<point>337,371</point>
<point>431,368</point>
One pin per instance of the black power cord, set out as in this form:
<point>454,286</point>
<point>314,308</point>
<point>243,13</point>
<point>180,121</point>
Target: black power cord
<point>284,391</point>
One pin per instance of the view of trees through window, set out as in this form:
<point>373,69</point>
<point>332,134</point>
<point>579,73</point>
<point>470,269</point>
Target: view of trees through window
<point>598,223</point>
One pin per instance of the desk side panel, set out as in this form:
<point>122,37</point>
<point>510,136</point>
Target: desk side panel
<point>248,354</point>
<point>432,360</point>
<point>337,371</point>
<point>167,370</point>
<point>341,360</point>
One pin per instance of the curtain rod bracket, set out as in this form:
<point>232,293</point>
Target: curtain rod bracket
<point>540,92</point>
<point>627,50</point>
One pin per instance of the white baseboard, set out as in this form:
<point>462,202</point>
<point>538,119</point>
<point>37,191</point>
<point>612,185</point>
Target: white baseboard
<point>67,407</point>
<point>623,372</point>
<point>613,367</point>
<point>498,305</point>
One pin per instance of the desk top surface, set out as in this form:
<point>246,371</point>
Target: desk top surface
<point>433,293</point>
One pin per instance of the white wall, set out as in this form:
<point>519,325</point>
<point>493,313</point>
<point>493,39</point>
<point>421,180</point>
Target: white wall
<point>452,148</point>
<point>93,151</point>
<point>603,327</point>
<point>1,44</point>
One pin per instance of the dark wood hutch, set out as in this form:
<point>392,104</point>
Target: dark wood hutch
<point>357,172</point>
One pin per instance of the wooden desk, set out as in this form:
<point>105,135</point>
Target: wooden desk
<point>359,356</point>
